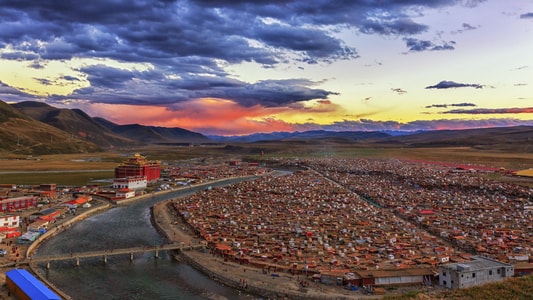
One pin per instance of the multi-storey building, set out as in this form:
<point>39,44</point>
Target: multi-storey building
<point>138,165</point>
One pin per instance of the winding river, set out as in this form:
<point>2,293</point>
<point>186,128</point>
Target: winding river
<point>146,277</point>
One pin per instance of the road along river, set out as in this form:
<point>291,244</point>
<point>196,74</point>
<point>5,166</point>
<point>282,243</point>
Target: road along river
<point>146,277</point>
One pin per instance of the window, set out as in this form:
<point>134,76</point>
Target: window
<point>443,273</point>
<point>490,272</point>
<point>473,275</point>
<point>498,271</point>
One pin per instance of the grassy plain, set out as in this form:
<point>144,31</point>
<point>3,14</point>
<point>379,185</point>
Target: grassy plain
<point>79,169</point>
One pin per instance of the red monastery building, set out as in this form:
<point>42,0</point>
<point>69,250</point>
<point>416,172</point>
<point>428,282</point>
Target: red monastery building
<point>138,165</point>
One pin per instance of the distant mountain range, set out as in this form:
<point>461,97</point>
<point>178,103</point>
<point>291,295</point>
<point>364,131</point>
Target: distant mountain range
<point>313,134</point>
<point>517,138</point>
<point>38,128</point>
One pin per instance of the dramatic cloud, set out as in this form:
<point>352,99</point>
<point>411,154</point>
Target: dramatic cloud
<point>185,42</point>
<point>528,15</point>
<point>238,66</point>
<point>450,105</point>
<point>416,45</point>
<point>485,111</point>
<point>150,87</point>
<point>215,116</point>
<point>451,84</point>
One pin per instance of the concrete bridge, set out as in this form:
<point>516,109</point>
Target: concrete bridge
<point>105,253</point>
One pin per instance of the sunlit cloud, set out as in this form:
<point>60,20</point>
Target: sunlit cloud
<point>219,116</point>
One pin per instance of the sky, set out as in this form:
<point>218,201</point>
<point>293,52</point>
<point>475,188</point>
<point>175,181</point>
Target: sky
<point>222,67</point>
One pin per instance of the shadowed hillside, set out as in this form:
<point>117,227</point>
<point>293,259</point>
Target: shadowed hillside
<point>74,121</point>
<point>21,134</point>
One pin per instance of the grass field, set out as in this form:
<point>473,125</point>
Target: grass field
<point>100,165</point>
<point>61,178</point>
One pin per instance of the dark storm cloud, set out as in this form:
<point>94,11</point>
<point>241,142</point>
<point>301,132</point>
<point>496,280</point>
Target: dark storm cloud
<point>528,15</point>
<point>105,80</point>
<point>451,105</point>
<point>315,44</point>
<point>107,77</point>
<point>417,45</point>
<point>19,56</point>
<point>395,27</point>
<point>70,78</point>
<point>451,84</point>
<point>187,40</point>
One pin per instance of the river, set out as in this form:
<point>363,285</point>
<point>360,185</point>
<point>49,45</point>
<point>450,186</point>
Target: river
<point>146,277</point>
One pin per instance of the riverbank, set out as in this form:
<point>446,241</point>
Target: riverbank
<point>28,251</point>
<point>247,279</point>
<point>64,224</point>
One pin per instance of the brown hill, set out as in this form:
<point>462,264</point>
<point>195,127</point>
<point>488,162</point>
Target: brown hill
<point>21,134</point>
<point>74,121</point>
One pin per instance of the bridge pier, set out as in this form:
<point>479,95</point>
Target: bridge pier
<point>131,256</point>
<point>77,261</point>
<point>48,265</point>
<point>156,253</point>
<point>105,259</point>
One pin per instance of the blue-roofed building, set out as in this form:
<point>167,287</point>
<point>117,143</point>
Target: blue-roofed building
<point>25,286</point>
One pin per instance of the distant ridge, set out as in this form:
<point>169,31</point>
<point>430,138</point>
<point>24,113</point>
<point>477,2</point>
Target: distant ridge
<point>508,138</point>
<point>153,134</point>
<point>347,136</point>
<point>517,138</point>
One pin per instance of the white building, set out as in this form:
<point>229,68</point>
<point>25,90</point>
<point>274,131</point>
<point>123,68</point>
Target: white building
<point>9,221</point>
<point>480,270</point>
<point>132,183</point>
<point>126,193</point>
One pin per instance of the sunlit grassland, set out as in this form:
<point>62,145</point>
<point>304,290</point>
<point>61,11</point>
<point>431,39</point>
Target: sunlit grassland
<point>61,178</point>
<point>93,161</point>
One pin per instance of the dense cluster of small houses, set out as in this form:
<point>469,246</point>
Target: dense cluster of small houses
<point>355,222</point>
<point>371,218</point>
